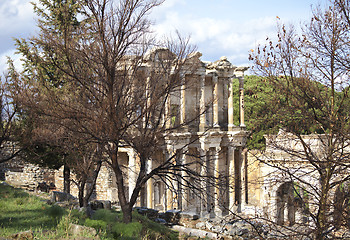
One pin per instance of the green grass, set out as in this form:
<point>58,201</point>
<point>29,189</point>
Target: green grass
<point>110,225</point>
<point>20,211</point>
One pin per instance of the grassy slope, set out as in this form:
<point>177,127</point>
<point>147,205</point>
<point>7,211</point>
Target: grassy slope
<point>20,211</point>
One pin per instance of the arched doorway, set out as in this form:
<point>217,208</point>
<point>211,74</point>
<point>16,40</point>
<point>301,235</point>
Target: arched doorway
<point>290,198</point>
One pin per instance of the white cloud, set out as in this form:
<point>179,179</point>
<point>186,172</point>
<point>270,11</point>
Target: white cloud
<point>216,37</point>
<point>15,15</point>
<point>16,20</point>
<point>4,58</point>
<point>170,4</point>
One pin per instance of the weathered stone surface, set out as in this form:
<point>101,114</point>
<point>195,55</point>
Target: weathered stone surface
<point>200,225</point>
<point>189,215</point>
<point>148,212</point>
<point>26,235</point>
<point>100,204</point>
<point>209,226</point>
<point>76,230</point>
<point>188,219</point>
<point>160,220</point>
<point>196,232</point>
<point>25,175</point>
<point>95,205</point>
<point>61,197</point>
<point>172,216</point>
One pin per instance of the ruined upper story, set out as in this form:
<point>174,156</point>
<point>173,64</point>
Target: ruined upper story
<point>205,95</point>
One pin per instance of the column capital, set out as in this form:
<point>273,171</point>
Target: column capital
<point>217,149</point>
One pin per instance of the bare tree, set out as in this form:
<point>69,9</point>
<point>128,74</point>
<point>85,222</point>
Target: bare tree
<point>90,77</point>
<point>311,71</point>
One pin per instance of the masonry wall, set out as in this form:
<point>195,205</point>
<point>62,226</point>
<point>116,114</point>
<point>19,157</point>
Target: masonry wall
<point>25,175</point>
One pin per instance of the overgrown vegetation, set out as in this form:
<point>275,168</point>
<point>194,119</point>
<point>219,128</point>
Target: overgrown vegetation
<point>20,211</point>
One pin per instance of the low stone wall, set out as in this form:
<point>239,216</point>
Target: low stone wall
<point>27,176</point>
<point>104,190</point>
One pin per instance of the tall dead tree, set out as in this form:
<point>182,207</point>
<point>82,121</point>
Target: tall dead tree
<point>88,77</point>
<point>311,71</point>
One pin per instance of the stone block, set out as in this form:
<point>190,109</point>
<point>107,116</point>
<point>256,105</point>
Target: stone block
<point>100,204</point>
<point>77,230</point>
<point>200,225</point>
<point>160,220</point>
<point>148,212</point>
<point>172,216</point>
<point>61,197</point>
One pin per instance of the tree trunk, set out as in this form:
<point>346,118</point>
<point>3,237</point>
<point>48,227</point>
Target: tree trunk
<point>81,193</point>
<point>91,187</point>
<point>124,203</point>
<point>323,209</point>
<point>66,177</point>
<point>127,213</point>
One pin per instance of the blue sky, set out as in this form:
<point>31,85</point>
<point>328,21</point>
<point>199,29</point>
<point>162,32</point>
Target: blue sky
<point>217,27</point>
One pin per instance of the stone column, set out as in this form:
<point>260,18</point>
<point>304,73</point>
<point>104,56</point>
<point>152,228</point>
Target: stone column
<point>215,101</point>
<point>203,172</point>
<point>217,209</point>
<point>202,119</point>
<point>230,105</point>
<point>183,99</point>
<point>149,186</point>
<point>169,183</point>
<point>238,179</point>
<point>184,189</point>
<point>178,181</point>
<point>239,72</point>
<point>167,113</point>
<point>132,171</point>
<point>231,161</point>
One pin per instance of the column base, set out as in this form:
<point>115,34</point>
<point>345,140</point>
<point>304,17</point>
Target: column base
<point>230,127</point>
<point>218,212</point>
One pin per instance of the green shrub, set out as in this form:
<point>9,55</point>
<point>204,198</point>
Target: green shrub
<point>78,217</point>
<point>105,215</point>
<point>127,231</point>
<point>97,224</point>
<point>56,212</point>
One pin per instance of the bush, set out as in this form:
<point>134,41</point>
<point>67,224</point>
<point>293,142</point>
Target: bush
<point>78,217</point>
<point>127,231</point>
<point>106,215</point>
<point>56,212</point>
<point>97,224</point>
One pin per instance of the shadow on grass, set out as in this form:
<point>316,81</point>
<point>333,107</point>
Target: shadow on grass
<point>19,211</point>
